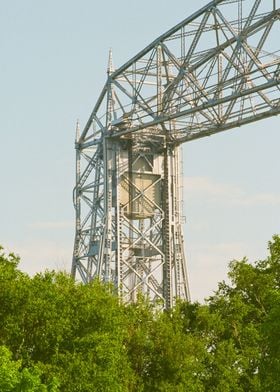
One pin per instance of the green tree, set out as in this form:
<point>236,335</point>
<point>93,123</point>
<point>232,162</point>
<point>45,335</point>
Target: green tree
<point>57,334</point>
<point>15,379</point>
<point>9,371</point>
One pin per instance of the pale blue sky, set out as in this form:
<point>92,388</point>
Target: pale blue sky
<point>52,67</point>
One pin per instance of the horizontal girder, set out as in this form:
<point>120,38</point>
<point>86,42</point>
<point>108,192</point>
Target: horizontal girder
<point>216,70</point>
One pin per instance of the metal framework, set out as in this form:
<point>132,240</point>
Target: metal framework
<point>216,70</point>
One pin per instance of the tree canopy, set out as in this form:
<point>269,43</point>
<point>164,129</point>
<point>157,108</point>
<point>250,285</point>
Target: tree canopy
<point>60,335</point>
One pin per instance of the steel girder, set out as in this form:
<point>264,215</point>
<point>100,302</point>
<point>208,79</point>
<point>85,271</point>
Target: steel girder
<point>216,70</point>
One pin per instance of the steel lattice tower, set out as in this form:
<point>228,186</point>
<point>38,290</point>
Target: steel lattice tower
<point>218,69</point>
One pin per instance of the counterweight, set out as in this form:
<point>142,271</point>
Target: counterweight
<point>218,69</point>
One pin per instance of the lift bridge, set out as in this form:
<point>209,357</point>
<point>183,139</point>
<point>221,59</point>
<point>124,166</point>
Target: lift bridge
<point>218,69</point>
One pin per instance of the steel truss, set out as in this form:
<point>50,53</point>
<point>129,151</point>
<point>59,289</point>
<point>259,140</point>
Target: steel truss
<point>216,70</point>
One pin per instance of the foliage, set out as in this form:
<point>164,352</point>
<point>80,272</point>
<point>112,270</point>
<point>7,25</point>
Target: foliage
<point>58,335</point>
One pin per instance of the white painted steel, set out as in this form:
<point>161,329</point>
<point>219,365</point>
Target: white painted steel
<point>218,69</point>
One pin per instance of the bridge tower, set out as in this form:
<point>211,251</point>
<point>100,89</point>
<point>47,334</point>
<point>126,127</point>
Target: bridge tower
<point>210,73</point>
